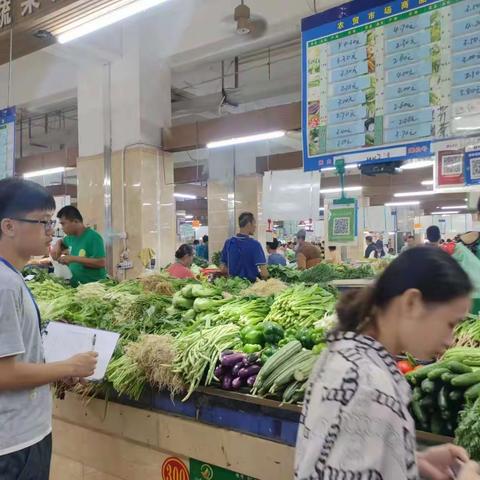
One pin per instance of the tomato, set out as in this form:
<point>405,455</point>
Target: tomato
<point>404,366</point>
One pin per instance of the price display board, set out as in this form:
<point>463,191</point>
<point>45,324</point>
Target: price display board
<point>7,142</point>
<point>385,82</point>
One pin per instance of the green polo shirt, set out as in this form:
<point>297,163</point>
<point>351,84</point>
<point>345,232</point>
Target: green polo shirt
<point>89,245</point>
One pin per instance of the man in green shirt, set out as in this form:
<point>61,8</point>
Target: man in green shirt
<point>82,249</point>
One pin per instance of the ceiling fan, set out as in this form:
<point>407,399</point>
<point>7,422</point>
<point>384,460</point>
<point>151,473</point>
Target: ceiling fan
<point>247,24</point>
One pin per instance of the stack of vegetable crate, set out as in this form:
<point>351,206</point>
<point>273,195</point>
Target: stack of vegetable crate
<point>441,390</point>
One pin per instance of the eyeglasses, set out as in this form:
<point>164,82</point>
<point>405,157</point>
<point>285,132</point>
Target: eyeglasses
<point>47,224</point>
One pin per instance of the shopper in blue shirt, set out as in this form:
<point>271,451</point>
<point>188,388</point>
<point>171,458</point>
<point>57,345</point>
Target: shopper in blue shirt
<point>243,256</point>
<point>274,258</point>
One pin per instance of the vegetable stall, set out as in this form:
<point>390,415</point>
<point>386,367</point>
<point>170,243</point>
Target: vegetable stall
<point>227,356</point>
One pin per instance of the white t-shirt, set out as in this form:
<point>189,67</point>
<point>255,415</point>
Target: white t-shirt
<point>355,421</point>
<point>25,415</point>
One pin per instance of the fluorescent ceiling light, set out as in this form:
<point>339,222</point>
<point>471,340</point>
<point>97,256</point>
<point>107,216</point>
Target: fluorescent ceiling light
<point>339,190</point>
<point>349,166</point>
<point>91,24</point>
<point>455,207</point>
<point>445,213</point>
<point>322,209</point>
<point>427,183</point>
<point>249,139</point>
<point>417,164</point>
<point>403,204</point>
<point>41,173</point>
<point>189,217</point>
<point>146,204</point>
<point>415,194</point>
<point>185,196</point>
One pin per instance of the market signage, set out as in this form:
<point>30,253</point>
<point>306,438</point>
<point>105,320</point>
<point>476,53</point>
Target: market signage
<point>176,468</point>
<point>14,11</point>
<point>7,142</point>
<point>472,167</point>
<point>383,83</point>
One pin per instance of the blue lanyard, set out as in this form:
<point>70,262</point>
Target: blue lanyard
<point>13,269</point>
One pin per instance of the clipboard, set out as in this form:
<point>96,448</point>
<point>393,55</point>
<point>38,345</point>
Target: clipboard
<point>62,341</point>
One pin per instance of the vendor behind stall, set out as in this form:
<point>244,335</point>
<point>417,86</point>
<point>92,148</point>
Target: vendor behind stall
<point>242,255</point>
<point>184,259</point>
<point>275,258</point>
<point>308,255</point>
<point>82,249</point>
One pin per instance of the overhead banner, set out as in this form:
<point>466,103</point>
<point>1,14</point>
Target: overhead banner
<point>383,83</point>
<point>7,142</point>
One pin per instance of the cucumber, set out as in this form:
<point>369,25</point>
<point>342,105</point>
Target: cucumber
<point>436,424</point>
<point>417,376</point>
<point>457,367</point>
<point>456,395</point>
<point>447,377</point>
<point>473,392</point>
<point>466,379</point>
<point>437,373</point>
<point>427,403</point>
<point>420,415</point>
<point>428,386</point>
<point>442,399</point>
<point>417,393</point>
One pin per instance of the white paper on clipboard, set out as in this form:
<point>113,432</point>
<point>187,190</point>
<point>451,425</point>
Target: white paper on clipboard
<point>62,341</point>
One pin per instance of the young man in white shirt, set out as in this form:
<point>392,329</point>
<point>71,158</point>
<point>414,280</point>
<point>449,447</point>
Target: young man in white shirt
<point>26,230</point>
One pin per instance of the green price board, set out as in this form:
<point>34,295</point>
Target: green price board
<point>205,471</point>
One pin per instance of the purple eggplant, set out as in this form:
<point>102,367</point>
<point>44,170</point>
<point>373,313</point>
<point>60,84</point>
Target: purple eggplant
<point>237,383</point>
<point>219,371</point>
<point>231,360</point>
<point>236,368</point>
<point>249,371</point>
<point>225,353</point>
<point>251,359</point>
<point>251,380</point>
<point>227,382</point>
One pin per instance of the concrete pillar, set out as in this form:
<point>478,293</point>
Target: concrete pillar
<point>143,206</point>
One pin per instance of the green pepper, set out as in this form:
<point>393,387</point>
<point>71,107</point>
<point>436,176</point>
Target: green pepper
<point>285,341</point>
<point>291,332</point>
<point>318,337</point>
<point>252,335</point>
<point>318,348</point>
<point>251,348</point>
<point>272,332</point>
<point>304,336</point>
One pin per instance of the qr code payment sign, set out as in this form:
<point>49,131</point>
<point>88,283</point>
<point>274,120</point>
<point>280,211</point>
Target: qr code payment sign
<point>341,226</point>
<point>452,165</point>
<point>475,168</point>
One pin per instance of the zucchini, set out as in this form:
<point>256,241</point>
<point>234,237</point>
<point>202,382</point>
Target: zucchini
<point>473,392</point>
<point>458,367</point>
<point>428,386</point>
<point>290,390</point>
<point>447,376</point>
<point>302,361</point>
<point>466,379</point>
<point>437,373</point>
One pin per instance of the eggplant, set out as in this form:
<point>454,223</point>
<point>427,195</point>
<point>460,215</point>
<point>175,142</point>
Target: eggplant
<point>251,380</point>
<point>251,359</point>
<point>229,361</point>
<point>237,383</point>
<point>227,382</point>
<point>236,368</point>
<point>225,353</point>
<point>249,371</point>
<point>219,371</point>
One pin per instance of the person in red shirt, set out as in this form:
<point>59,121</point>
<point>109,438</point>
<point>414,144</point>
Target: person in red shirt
<point>181,268</point>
